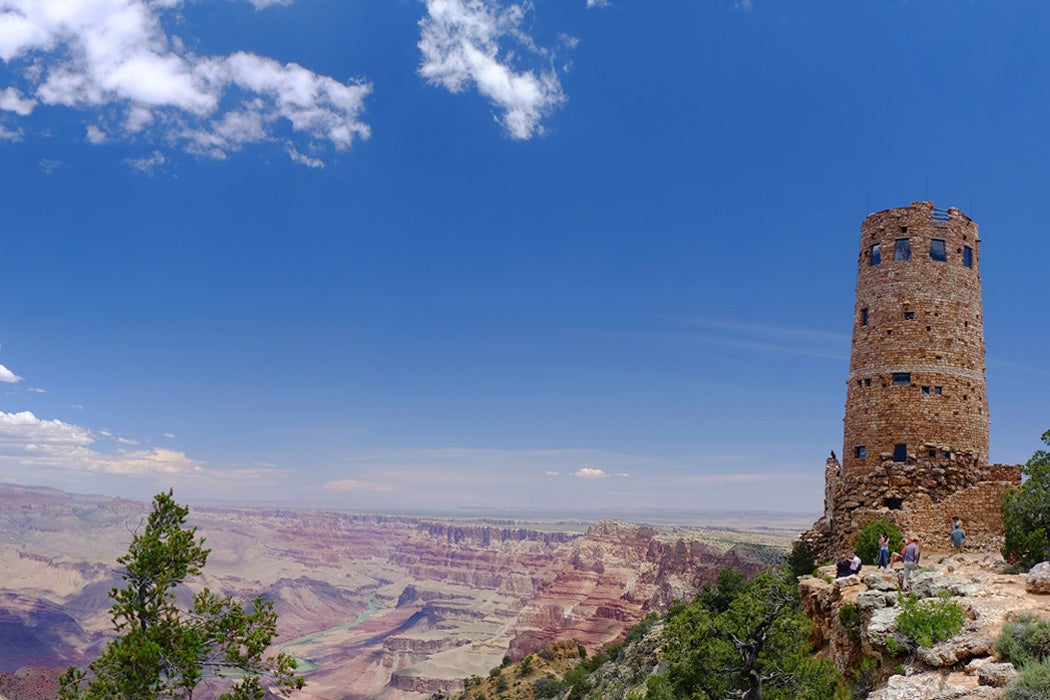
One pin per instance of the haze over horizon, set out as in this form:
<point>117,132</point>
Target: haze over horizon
<point>451,254</point>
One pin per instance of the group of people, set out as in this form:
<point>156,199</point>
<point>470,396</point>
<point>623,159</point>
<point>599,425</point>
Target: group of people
<point>909,554</point>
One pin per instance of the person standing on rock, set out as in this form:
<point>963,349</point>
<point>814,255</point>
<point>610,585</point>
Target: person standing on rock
<point>958,535</point>
<point>884,551</point>
<point>911,559</point>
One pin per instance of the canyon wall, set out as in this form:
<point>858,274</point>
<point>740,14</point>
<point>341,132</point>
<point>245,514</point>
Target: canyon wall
<point>372,605</point>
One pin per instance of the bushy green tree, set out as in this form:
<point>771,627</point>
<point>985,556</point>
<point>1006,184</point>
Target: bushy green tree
<point>162,651</point>
<point>1026,511</point>
<point>745,639</point>
<point>868,540</point>
<point>802,560</point>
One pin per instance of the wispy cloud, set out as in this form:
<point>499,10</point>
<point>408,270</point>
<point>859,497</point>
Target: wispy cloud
<point>113,60</point>
<point>461,42</point>
<point>33,446</point>
<point>597,3</point>
<point>763,338</point>
<point>353,485</point>
<point>147,164</point>
<point>590,473</point>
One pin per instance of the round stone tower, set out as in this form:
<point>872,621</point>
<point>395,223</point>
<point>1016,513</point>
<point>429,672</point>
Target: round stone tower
<point>916,387</point>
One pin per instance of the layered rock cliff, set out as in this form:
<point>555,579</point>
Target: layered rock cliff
<point>372,605</point>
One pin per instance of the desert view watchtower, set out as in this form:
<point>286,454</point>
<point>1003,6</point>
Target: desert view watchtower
<point>916,386</point>
<point>915,432</point>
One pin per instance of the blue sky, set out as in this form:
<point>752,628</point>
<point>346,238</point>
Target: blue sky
<point>454,254</point>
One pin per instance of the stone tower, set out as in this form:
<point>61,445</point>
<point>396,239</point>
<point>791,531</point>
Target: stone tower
<point>916,376</point>
<point>915,433</point>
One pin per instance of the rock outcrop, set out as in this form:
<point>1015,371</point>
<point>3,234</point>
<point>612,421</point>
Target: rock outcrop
<point>855,618</point>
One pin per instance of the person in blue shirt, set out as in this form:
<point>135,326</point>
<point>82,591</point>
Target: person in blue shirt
<point>958,535</point>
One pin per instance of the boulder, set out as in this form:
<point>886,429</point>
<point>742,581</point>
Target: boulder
<point>996,675</point>
<point>1038,580</point>
<point>962,647</point>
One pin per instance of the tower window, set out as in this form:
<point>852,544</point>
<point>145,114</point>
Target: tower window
<point>876,255</point>
<point>926,390</point>
<point>909,315</point>
<point>967,256</point>
<point>863,317</point>
<point>902,379</point>
<point>902,249</point>
<point>937,250</point>
<point>900,453</point>
<point>945,454</point>
<point>937,390</point>
<point>861,451</point>
<point>867,381</point>
<point>933,452</point>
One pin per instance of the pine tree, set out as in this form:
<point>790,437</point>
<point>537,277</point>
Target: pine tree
<point>162,651</point>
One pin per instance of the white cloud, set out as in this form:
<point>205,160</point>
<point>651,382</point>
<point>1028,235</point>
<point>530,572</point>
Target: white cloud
<point>127,441</point>
<point>8,135</point>
<point>8,376</point>
<point>94,54</point>
<point>11,100</point>
<point>590,473</point>
<point>597,3</point>
<point>460,42</point>
<point>48,165</point>
<point>147,164</point>
<point>95,135</point>
<point>28,441</point>
<point>548,473</point>
<point>169,435</point>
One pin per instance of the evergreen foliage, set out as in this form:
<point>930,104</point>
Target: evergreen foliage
<point>1024,639</point>
<point>927,621</point>
<point>868,540</point>
<point>1032,682</point>
<point>802,560</point>
<point>1026,512</point>
<point>745,639</point>
<point>162,651</point>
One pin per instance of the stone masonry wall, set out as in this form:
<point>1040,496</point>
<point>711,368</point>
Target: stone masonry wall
<point>921,498</point>
<point>917,371</point>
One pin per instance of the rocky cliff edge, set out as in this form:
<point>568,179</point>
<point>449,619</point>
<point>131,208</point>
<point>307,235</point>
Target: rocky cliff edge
<point>961,668</point>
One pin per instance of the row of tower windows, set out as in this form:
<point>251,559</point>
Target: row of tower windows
<point>900,452</point>
<point>904,379</point>
<point>865,317</point>
<point>938,251</point>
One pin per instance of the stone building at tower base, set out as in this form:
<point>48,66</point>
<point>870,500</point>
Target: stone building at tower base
<point>920,497</point>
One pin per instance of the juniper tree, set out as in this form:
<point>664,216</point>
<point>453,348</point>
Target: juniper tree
<point>162,651</point>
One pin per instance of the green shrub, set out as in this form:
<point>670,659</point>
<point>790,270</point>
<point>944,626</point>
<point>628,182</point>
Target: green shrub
<point>1032,682</point>
<point>641,629</point>
<point>868,540</point>
<point>849,618</point>
<point>894,647</point>
<point>1025,639</point>
<point>802,560</point>
<point>927,621</point>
